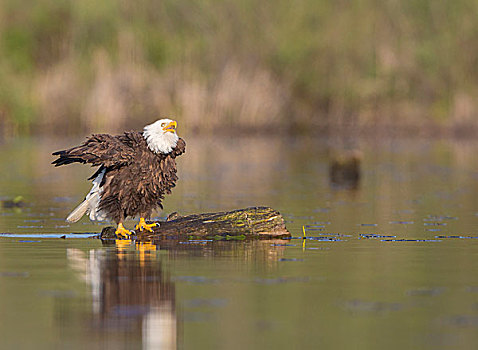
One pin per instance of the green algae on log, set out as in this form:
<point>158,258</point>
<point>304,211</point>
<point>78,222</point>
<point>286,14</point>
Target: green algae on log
<point>254,222</point>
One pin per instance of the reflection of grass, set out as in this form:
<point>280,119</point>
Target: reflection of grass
<point>80,65</point>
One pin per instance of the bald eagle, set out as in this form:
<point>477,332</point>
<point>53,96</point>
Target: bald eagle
<point>136,169</point>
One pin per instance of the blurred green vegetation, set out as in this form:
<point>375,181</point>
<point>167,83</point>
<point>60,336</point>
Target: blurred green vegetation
<point>76,66</point>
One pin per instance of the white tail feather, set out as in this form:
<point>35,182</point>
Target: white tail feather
<point>90,204</point>
<point>79,211</point>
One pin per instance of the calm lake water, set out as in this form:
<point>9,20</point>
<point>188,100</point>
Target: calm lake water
<point>391,264</point>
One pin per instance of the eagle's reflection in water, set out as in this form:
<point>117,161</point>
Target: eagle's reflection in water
<point>133,300</point>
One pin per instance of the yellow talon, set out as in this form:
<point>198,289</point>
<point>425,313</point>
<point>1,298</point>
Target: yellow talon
<point>142,225</point>
<point>121,232</point>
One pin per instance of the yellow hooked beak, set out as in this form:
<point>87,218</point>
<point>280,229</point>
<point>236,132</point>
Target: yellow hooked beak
<point>171,127</point>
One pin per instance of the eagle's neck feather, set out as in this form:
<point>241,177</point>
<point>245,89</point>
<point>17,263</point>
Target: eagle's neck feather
<point>159,141</point>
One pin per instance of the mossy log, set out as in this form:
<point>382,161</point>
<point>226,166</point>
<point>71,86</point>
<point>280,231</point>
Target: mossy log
<point>255,222</point>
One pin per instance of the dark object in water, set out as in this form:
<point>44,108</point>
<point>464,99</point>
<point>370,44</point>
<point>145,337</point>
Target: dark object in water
<point>254,222</point>
<point>344,170</point>
<point>290,259</point>
<point>16,202</point>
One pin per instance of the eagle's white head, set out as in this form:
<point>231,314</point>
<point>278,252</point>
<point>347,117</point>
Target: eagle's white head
<point>161,136</point>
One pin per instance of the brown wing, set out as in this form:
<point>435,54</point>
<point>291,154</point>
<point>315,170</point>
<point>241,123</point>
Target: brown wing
<point>179,149</point>
<point>99,149</point>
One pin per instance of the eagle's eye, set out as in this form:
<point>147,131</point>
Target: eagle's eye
<point>163,125</point>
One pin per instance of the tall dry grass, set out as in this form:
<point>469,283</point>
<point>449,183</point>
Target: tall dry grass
<point>122,95</point>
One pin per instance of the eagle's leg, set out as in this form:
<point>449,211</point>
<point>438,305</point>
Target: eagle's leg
<point>142,225</point>
<point>121,232</point>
